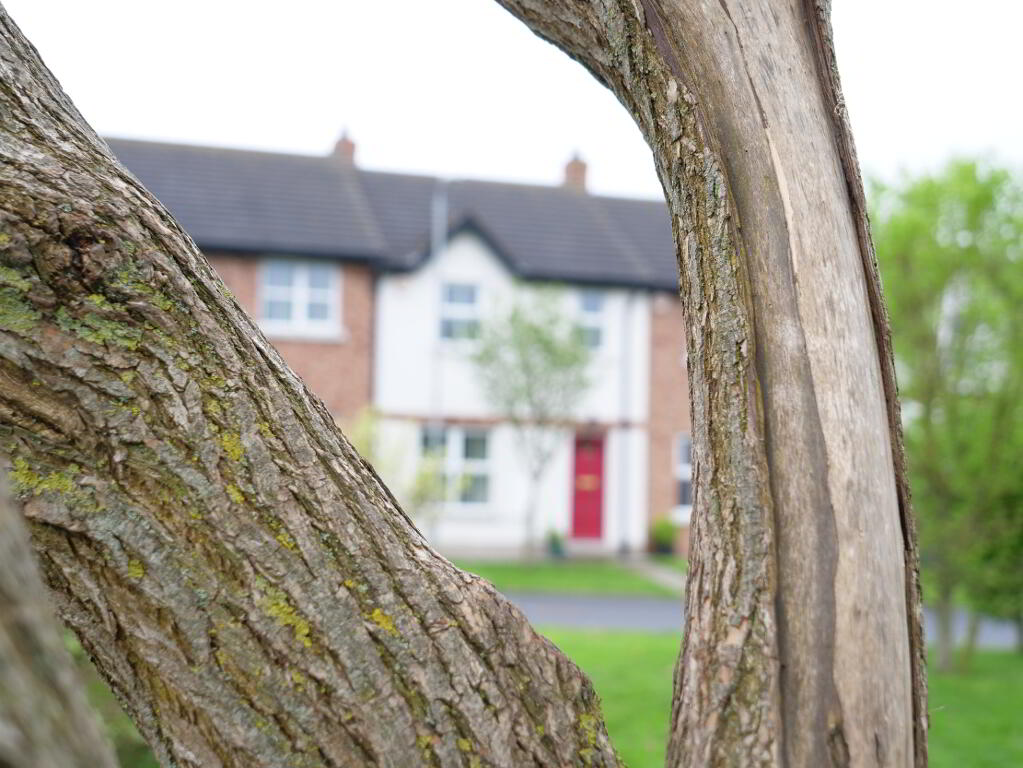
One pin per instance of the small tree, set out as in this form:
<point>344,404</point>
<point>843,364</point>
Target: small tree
<point>421,494</point>
<point>532,363</point>
<point>950,255</point>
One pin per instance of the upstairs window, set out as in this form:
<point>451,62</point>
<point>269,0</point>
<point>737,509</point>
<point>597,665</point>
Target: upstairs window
<point>300,298</point>
<point>463,456</point>
<point>591,318</point>
<point>474,482</point>
<point>459,314</point>
<point>683,471</point>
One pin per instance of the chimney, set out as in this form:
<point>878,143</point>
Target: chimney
<point>575,174</point>
<point>344,150</point>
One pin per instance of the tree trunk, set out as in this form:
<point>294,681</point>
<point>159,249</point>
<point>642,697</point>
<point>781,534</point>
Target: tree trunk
<point>241,578</point>
<point>945,614</point>
<point>804,644</point>
<point>44,717</point>
<point>969,642</point>
<point>531,549</point>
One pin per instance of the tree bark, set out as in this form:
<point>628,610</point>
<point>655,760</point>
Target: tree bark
<point>804,644</point>
<point>239,575</point>
<point>45,719</point>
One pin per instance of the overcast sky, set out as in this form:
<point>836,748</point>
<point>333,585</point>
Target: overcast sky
<point>461,89</point>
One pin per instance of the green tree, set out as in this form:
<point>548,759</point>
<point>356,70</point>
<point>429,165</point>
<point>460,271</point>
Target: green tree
<point>420,492</point>
<point>532,364</point>
<point>950,250</point>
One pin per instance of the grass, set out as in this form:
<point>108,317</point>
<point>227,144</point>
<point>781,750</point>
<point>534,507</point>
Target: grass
<point>976,718</point>
<point>604,577</point>
<point>674,562</point>
<point>632,672</point>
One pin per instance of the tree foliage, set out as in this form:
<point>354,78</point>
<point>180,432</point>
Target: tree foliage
<point>532,364</point>
<point>951,249</point>
<point>420,492</point>
<point>531,361</point>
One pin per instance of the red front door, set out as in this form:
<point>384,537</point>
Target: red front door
<point>588,476</point>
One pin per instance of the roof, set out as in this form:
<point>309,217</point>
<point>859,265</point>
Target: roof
<point>229,199</point>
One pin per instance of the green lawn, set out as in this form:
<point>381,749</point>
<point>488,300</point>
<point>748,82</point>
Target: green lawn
<point>674,562</point>
<point>579,576</point>
<point>976,719</point>
<point>632,672</point>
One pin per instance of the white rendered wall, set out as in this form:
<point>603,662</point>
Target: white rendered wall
<point>419,377</point>
<point>625,489</point>
<point>497,524</point>
<point>417,372</point>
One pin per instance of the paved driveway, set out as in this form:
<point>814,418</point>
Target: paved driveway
<point>658,614</point>
<point>646,614</point>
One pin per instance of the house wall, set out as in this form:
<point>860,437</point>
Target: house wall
<point>420,377</point>
<point>494,528</point>
<point>338,370</point>
<point>669,403</point>
<point>410,349</point>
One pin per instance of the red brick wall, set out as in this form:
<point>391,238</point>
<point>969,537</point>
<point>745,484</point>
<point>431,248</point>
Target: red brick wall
<point>669,401</point>
<point>340,372</point>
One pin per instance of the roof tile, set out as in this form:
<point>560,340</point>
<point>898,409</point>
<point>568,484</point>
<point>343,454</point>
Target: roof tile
<point>260,201</point>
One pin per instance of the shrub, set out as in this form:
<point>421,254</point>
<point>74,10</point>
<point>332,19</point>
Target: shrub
<point>662,536</point>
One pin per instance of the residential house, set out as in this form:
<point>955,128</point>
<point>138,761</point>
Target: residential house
<point>372,286</point>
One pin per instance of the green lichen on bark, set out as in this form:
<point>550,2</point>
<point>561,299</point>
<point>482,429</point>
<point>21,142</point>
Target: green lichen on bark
<point>13,278</point>
<point>16,313</point>
<point>384,621</point>
<point>99,330</point>
<point>280,608</point>
<point>136,570</point>
<point>28,482</point>
<point>231,442</point>
<point>128,279</point>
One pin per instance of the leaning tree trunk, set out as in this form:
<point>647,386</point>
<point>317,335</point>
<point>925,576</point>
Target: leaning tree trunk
<point>804,644</point>
<point>239,575</point>
<point>44,717</point>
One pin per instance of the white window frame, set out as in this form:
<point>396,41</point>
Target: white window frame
<point>591,321</point>
<point>681,471</point>
<point>301,295</point>
<point>466,312</point>
<point>456,465</point>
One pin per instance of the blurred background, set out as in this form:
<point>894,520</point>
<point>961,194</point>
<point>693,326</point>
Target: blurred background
<point>456,237</point>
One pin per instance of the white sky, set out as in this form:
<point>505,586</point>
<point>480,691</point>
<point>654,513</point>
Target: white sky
<point>461,89</point>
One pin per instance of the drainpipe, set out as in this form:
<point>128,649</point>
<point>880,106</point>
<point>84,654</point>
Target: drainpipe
<point>435,372</point>
<point>438,239</point>
<point>625,393</point>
